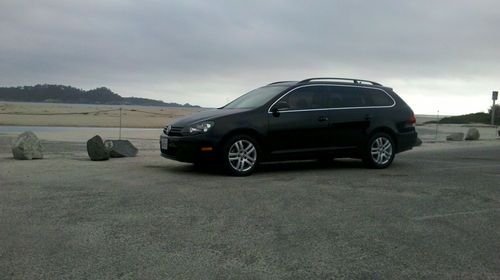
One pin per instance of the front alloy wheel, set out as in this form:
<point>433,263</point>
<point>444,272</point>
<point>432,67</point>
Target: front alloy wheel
<point>241,155</point>
<point>381,151</point>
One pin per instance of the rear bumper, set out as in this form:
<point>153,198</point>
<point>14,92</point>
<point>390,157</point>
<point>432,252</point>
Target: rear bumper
<point>406,141</point>
<point>188,148</point>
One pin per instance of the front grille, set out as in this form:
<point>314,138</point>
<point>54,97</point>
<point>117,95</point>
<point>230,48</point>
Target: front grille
<point>174,131</point>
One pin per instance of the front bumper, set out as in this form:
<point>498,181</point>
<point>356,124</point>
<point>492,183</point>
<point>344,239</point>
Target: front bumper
<point>188,148</point>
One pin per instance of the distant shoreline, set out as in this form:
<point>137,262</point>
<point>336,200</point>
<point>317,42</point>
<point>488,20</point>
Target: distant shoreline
<point>422,118</point>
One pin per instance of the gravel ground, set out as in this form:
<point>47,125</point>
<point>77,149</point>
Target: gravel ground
<point>434,214</point>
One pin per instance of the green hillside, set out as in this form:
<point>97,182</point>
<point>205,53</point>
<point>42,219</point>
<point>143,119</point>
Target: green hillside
<point>484,118</point>
<point>68,94</point>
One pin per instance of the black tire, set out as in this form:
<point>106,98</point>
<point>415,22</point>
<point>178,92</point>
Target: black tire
<point>379,151</point>
<point>241,154</point>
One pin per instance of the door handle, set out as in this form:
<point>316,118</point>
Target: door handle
<point>368,117</point>
<point>322,119</point>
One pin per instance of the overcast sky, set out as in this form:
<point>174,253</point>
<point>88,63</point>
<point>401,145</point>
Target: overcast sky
<point>438,55</point>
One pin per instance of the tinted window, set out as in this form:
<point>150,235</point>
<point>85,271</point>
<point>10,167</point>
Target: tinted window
<point>312,97</point>
<point>256,97</point>
<point>374,97</point>
<point>345,97</point>
<point>317,97</point>
<point>342,97</point>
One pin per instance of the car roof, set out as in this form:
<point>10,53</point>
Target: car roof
<point>333,81</point>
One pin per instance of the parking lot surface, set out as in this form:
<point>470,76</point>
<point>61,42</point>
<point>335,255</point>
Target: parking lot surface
<point>435,213</point>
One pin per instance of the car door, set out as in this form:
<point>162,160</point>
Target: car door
<point>350,117</point>
<point>301,125</point>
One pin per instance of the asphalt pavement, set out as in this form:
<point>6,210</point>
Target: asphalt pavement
<point>434,214</point>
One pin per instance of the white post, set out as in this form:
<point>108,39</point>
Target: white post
<point>494,97</point>
<point>437,125</point>
<point>493,113</point>
<point>120,131</point>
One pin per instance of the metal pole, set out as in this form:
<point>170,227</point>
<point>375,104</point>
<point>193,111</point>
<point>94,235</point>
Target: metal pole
<point>493,113</point>
<point>494,97</point>
<point>120,131</point>
<point>437,125</point>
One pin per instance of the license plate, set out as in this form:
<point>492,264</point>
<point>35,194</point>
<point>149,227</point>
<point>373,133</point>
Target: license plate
<point>164,143</point>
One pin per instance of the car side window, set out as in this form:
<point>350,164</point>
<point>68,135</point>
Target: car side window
<point>347,97</point>
<point>374,97</point>
<point>304,98</point>
<point>344,97</point>
<point>319,97</point>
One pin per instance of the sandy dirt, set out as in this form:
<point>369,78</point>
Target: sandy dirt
<point>78,115</point>
<point>78,123</point>
<point>432,215</point>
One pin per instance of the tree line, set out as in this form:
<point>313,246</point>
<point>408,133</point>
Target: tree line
<point>67,94</point>
<point>480,117</point>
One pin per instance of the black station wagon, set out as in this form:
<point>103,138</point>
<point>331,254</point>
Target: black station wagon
<point>321,118</point>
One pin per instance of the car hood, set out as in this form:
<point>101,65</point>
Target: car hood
<point>206,115</point>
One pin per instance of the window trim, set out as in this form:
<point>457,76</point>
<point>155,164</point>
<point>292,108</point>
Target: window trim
<point>327,109</point>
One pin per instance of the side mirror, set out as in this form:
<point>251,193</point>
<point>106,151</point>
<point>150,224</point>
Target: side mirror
<point>280,106</point>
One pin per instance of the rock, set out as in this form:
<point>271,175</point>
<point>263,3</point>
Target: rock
<point>96,149</point>
<point>120,148</point>
<point>459,136</point>
<point>418,142</point>
<point>472,134</point>
<point>27,146</point>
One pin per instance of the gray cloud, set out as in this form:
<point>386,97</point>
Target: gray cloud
<point>200,51</point>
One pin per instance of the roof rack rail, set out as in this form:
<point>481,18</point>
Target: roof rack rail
<point>356,81</point>
<point>280,82</point>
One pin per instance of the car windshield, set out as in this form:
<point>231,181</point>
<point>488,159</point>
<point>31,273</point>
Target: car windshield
<point>256,97</point>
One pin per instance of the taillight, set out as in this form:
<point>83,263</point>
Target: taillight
<point>412,120</point>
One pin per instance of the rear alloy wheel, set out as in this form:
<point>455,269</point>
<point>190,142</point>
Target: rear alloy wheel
<point>380,151</point>
<point>241,155</point>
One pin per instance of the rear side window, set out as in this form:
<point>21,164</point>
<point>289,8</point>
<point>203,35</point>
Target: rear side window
<point>374,97</point>
<point>347,97</point>
<point>344,97</point>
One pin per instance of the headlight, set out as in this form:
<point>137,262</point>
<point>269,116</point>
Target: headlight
<point>167,129</point>
<point>201,127</point>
